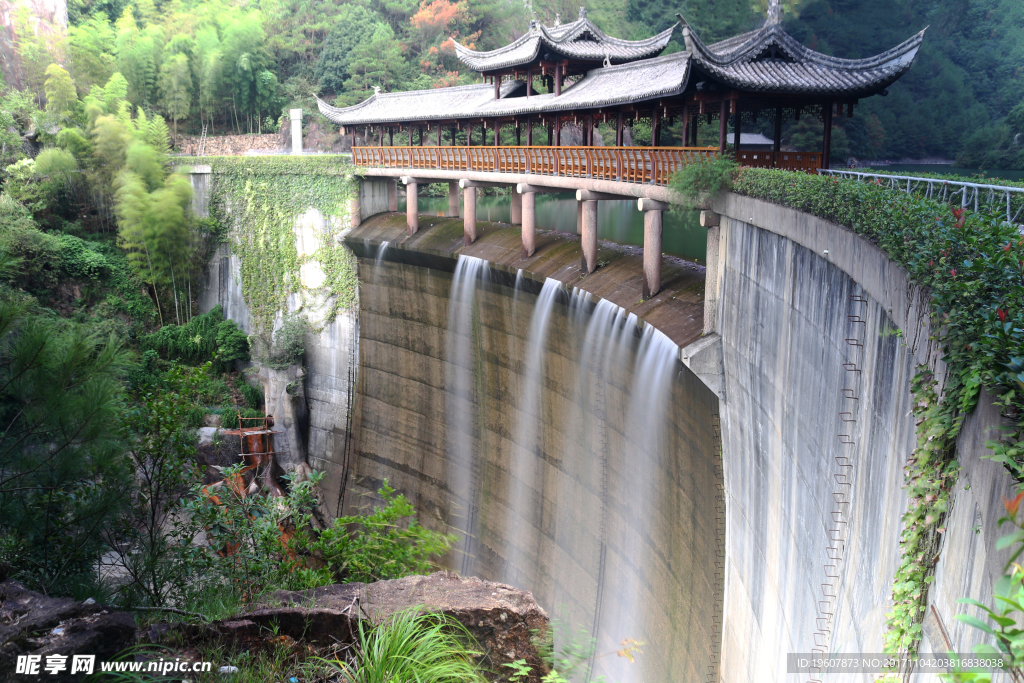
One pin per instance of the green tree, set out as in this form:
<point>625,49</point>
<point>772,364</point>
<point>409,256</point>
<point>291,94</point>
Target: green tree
<point>377,61</point>
<point>245,59</point>
<point>176,88</point>
<point>137,57</point>
<point>207,64</point>
<point>61,474</point>
<point>91,44</point>
<point>353,25</point>
<point>61,97</point>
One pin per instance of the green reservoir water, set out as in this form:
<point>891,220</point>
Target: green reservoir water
<point>617,221</point>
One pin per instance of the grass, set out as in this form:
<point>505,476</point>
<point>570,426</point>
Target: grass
<point>412,646</point>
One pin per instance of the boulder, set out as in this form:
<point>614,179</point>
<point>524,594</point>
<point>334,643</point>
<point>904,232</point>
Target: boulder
<point>34,624</point>
<point>503,619</point>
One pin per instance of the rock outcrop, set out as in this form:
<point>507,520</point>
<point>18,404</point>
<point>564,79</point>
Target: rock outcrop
<point>34,624</point>
<point>503,619</point>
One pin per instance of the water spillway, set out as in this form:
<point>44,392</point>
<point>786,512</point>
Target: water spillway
<point>560,436</point>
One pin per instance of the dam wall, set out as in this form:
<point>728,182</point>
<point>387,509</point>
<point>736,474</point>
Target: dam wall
<point>822,335</point>
<point>813,336</point>
<point>551,462</point>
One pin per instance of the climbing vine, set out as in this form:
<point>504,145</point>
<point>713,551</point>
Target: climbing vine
<point>261,200</point>
<point>973,266</point>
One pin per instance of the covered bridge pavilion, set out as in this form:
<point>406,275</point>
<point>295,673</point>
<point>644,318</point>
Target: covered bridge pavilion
<point>572,77</point>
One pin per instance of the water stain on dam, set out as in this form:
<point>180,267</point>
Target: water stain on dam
<point>559,436</point>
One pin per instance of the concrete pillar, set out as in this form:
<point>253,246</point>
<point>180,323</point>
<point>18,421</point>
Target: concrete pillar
<point>453,199</point>
<point>296,118</point>
<point>652,254</point>
<point>712,222</point>
<point>516,209</point>
<point>588,262</point>
<point>469,224</point>
<point>412,215</point>
<point>355,214</point>
<point>392,194</point>
<point>579,217</point>
<point>529,209</point>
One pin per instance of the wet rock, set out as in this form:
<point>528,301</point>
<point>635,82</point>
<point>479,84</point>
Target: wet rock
<point>34,624</point>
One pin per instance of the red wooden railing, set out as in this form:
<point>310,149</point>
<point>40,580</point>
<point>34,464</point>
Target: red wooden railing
<point>630,164</point>
<point>809,162</point>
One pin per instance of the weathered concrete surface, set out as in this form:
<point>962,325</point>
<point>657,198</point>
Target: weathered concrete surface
<point>677,310</point>
<point>576,541</point>
<point>373,197</point>
<point>783,320</point>
<point>788,324</point>
<point>970,564</point>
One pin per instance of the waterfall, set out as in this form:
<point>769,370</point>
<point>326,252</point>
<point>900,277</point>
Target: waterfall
<point>460,411</point>
<point>528,431</point>
<point>381,250</point>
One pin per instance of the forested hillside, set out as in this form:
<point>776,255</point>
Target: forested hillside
<point>235,66</point>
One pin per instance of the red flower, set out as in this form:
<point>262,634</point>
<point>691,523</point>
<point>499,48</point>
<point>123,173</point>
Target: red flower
<point>961,218</point>
<point>1002,315</point>
<point>931,264</point>
<point>953,272</point>
<point>1007,247</point>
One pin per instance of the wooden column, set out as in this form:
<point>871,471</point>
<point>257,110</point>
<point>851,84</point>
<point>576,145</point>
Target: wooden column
<point>529,132</point>
<point>469,134</point>
<point>723,123</point>
<point>590,130</point>
<point>497,87</point>
<point>419,129</point>
<point>777,146</point>
<point>558,131</point>
<point>469,223</point>
<point>826,141</point>
<point>410,137</point>
<point>439,135</point>
<point>453,136</point>
<point>529,82</point>
<point>736,130</point>
<point>618,130</point>
<point>588,261</point>
<point>391,137</point>
<point>558,79</point>
<point>380,136</point>
<point>686,126</point>
<point>453,199</point>
<point>529,210</point>
<point>693,130</point>
<point>497,133</point>
<point>519,137</point>
<point>551,136</point>
<point>655,128</point>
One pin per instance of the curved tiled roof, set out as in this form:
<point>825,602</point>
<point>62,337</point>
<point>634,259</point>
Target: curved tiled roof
<point>579,40</point>
<point>604,87</point>
<point>772,61</point>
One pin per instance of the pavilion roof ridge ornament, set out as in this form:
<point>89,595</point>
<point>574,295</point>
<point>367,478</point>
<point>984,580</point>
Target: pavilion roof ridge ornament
<point>775,12</point>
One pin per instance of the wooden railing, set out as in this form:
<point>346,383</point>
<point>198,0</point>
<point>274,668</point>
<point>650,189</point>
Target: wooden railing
<point>809,162</point>
<point>629,164</point>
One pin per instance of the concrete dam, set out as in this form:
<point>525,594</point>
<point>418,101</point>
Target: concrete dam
<point>715,471</point>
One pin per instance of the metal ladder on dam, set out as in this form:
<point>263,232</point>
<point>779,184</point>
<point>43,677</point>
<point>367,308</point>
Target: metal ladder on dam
<point>841,479</point>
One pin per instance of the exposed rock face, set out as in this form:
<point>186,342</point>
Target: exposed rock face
<point>500,617</point>
<point>34,624</point>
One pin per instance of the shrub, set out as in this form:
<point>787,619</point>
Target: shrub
<point>229,417</point>
<point>288,346</point>
<point>699,181</point>
<point>253,396</point>
<point>206,337</point>
<point>194,417</point>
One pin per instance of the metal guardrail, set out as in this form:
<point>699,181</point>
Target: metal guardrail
<point>971,194</point>
<point>653,165</point>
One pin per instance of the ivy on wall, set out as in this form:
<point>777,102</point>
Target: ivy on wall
<point>973,266</point>
<point>260,199</point>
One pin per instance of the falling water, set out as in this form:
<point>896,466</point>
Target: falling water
<point>654,372</point>
<point>460,410</point>
<point>381,251</point>
<point>529,427</point>
<point>617,355</point>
